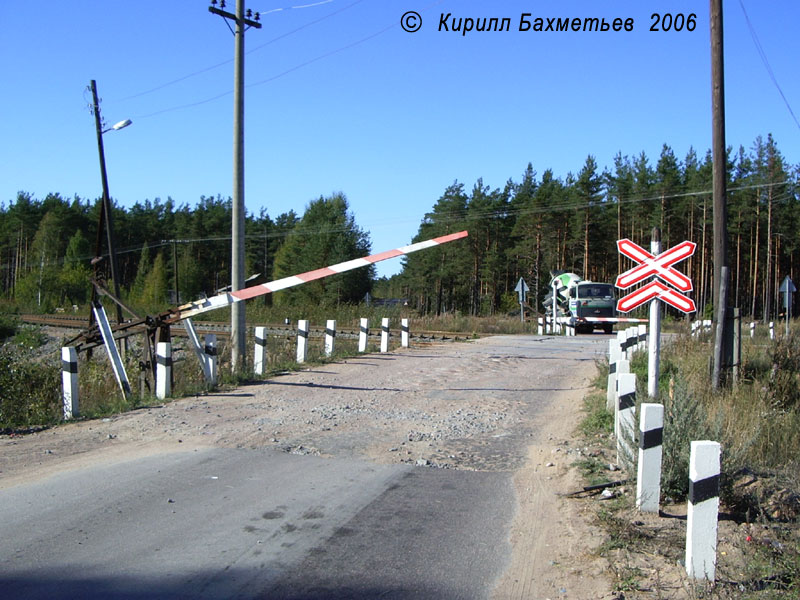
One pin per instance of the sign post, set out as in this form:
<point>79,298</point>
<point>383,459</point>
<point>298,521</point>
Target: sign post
<point>654,344</point>
<point>521,289</point>
<point>788,288</point>
<point>554,327</point>
<point>655,264</point>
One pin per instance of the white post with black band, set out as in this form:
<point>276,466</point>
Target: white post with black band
<point>363,333</point>
<point>613,358</point>
<point>302,340</point>
<point>385,334</point>
<point>69,381</point>
<point>211,357</point>
<point>330,337</point>
<point>260,358</point>
<point>404,333</point>
<point>648,474</point>
<point>626,417</point>
<point>163,370</point>
<point>703,510</point>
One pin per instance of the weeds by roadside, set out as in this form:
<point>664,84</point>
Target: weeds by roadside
<point>758,423</point>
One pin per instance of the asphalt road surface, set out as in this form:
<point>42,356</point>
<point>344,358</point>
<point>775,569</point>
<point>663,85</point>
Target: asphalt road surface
<point>261,522</point>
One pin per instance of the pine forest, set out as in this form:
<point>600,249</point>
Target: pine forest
<point>526,228</point>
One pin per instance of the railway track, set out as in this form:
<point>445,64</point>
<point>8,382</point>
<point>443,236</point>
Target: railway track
<point>223,329</point>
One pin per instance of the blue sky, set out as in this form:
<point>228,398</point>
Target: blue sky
<point>341,98</point>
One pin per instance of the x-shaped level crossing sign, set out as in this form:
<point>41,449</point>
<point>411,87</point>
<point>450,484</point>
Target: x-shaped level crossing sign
<point>649,265</point>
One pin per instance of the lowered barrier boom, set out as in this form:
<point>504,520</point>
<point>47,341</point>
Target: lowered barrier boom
<point>226,299</point>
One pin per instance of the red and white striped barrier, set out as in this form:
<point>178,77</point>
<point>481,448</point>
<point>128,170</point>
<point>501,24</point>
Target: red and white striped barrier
<point>200,306</point>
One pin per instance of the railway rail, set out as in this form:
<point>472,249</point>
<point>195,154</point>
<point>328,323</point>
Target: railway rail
<point>223,329</point>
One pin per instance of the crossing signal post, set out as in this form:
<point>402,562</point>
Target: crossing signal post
<point>655,264</point>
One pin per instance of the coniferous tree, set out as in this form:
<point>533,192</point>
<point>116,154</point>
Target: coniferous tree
<point>327,234</point>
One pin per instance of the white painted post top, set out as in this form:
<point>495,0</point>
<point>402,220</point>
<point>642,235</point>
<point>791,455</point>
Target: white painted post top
<point>652,416</point>
<point>705,460</point>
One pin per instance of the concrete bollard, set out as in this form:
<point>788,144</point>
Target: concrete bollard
<point>642,337</point>
<point>363,333</point>
<point>772,330</point>
<point>163,370</point>
<point>625,417</point>
<point>621,343</point>
<point>752,329</point>
<point>385,334</point>
<point>703,510</point>
<point>302,340</point>
<point>611,388</point>
<point>621,365</point>
<point>632,341</point>
<point>69,382</point>
<point>540,326</point>
<point>212,360</point>
<point>260,357</point>
<point>330,337</point>
<point>404,333</point>
<point>648,474</point>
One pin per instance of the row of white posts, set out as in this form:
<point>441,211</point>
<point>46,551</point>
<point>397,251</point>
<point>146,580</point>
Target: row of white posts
<point>330,340</point>
<point>207,355</point>
<point>546,324</point>
<point>704,461</point>
<point>699,327</point>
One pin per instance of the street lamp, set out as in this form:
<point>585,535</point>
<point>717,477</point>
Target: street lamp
<point>106,214</point>
<point>118,126</point>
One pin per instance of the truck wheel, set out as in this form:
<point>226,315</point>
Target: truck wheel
<point>607,329</point>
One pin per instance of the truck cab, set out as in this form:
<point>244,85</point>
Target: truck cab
<point>592,301</point>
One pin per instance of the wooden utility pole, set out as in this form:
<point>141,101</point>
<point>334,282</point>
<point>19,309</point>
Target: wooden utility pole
<point>242,22</point>
<point>106,220</point>
<point>719,183</point>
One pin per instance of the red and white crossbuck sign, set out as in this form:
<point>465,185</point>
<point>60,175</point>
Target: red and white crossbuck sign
<point>659,266</point>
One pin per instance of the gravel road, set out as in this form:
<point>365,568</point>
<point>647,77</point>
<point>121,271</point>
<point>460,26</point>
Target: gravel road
<point>501,408</point>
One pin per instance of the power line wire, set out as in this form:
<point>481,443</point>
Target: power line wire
<point>291,69</point>
<point>763,56</point>
<point>251,51</point>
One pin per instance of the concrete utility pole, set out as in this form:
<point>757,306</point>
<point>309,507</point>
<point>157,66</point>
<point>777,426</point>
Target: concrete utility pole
<point>238,321</point>
<point>719,184</point>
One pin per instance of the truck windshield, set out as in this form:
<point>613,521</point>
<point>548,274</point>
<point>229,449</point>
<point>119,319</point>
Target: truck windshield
<point>596,291</point>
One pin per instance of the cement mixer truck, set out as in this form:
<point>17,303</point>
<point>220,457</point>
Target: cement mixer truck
<point>583,304</point>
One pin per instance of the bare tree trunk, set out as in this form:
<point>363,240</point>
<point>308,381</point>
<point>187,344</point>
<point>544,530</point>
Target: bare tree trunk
<point>738,256</point>
<point>703,264</point>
